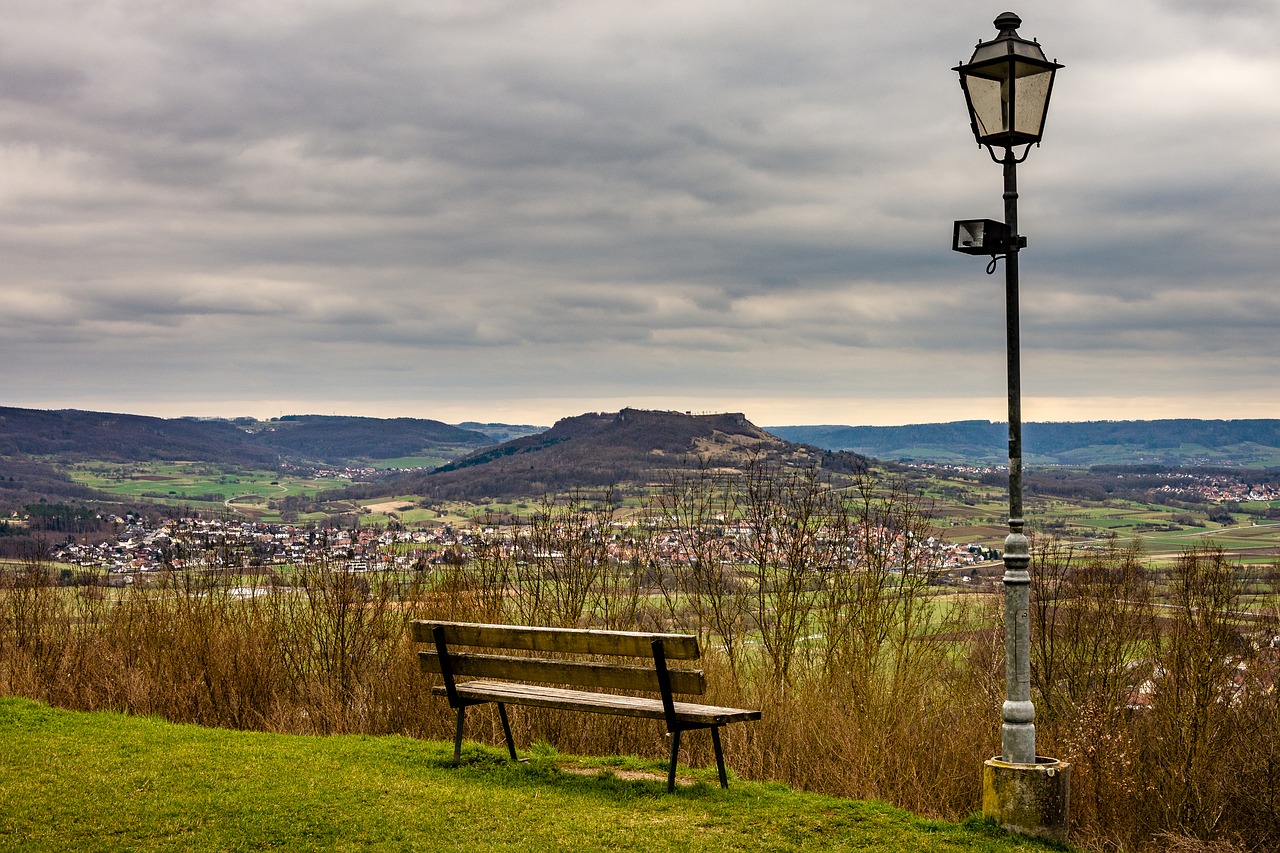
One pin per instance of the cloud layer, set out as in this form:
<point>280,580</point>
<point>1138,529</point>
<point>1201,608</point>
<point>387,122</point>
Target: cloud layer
<point>524,210</point>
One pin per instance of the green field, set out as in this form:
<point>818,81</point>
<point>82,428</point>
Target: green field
<point>145,784</point>
<point>199,485</point>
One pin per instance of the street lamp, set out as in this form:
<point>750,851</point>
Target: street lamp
<point>1007,83</point>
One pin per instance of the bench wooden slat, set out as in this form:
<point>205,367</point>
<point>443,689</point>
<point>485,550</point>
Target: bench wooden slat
<point>579,673</point>
<point>565,640</point>
<point>600,703</point>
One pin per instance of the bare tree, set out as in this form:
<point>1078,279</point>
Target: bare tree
<point>696,522</point>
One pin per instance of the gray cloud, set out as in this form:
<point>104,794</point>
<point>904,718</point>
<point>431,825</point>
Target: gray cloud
<point>529,209</point>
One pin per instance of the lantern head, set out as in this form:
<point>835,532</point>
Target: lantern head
<point>1007,83</point>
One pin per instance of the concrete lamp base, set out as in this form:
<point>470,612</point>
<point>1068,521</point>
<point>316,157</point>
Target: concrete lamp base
<point>1030,799</point>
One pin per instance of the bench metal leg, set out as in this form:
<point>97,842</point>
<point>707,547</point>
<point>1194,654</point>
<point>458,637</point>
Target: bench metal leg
<point>457,738</point>
<point>506,731</point>
<point>715,740</point>
<point>671,772</point>
<point>720,757</point>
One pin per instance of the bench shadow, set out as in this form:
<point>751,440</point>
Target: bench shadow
<point>613,778</point>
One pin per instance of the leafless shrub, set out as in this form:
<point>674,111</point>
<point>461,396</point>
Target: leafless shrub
<point>693,556</point>
<point>1155,685</point>
<point>1195,720</point>
<point>31,623</point>
<point>1093,630</point>
<point>560,568</point>
<point>1175,843</point>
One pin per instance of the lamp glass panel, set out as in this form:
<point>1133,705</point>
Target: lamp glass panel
<point>1032,97</point>
<point>989,93</point>
<point>990,100</point>
<point>971,233</point>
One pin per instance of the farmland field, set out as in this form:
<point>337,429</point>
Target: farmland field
<point>970,513</point>
<point>198,485</point>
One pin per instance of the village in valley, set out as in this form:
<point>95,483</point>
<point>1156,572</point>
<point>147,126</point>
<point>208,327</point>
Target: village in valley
<point>192,542</point>
<point>141,545</point>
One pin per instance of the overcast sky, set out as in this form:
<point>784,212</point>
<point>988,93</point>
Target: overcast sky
<point>521,210</point>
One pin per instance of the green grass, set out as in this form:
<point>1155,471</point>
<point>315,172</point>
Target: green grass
<point>104,781</point>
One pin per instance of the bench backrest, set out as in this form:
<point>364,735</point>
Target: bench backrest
<point>656,648</point>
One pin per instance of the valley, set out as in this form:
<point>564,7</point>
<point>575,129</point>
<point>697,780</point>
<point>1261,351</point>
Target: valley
<point>332,478</point>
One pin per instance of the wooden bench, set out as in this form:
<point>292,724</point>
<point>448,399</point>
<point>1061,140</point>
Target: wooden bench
<point>504,679</point>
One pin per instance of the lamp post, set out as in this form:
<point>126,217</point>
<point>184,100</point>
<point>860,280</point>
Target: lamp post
<point>1007,83</point>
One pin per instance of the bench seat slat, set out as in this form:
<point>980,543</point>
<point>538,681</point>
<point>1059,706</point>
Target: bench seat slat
<point>578,673</point>
<point>601,703</point>
<point>566,640</point>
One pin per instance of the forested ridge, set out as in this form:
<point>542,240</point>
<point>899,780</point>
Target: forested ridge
<point>74,434</point>
<point>1183,441</point>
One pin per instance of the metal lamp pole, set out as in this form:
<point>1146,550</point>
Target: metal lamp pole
<point>1018,731</point>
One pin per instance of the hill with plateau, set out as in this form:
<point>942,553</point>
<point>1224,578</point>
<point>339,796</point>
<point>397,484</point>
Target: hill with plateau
<point>603,449</point>
<point>1172,443</point>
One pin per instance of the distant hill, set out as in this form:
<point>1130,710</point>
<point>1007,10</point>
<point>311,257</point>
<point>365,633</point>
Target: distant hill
<point>332,438</point>
<point>503,432</point>
<point>72,434</point>
<point>601,449</point>
<point>1178,442</point>
<point>69,433</point>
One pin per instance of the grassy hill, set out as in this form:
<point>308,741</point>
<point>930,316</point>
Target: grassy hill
<point>103,781</point>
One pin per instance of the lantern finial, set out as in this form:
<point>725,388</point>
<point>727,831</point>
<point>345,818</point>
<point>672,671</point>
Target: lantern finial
<point>1007,24</point>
